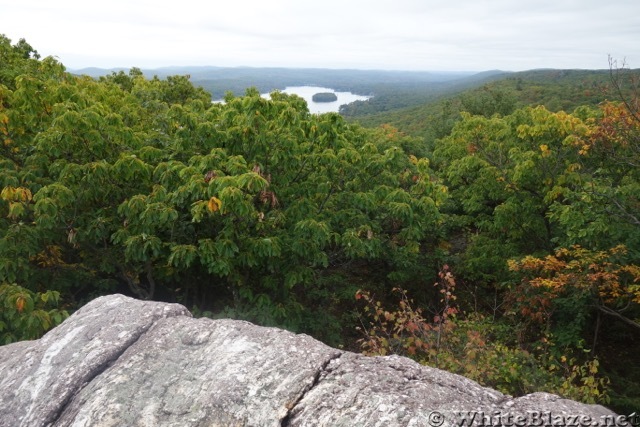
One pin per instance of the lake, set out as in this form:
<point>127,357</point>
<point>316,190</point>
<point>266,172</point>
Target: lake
<point>307,92</point>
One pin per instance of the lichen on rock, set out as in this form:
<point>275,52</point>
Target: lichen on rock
<point>124,362</point>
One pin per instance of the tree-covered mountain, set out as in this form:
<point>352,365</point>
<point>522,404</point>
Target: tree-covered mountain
<point>220,80</point>
<point>500,93</point>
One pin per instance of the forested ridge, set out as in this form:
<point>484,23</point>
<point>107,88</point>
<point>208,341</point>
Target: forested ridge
<point>416,86</point>
<point>486,94</point>
<point>504,247</point>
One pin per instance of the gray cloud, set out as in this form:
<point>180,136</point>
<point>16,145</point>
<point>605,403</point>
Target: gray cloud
<point>382,34</point>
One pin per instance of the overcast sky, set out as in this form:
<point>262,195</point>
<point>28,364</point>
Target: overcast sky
<point>466,35</point>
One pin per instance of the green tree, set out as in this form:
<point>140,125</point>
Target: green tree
<point>534,186</point>
<point>487,101</point>
<point>19,58</point>
<point>254,208</point>
<point>505,174</point>
<point>26,315</point>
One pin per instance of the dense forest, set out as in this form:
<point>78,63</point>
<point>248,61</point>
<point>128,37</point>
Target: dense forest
<point>494,234</point>
<point>433,117</point>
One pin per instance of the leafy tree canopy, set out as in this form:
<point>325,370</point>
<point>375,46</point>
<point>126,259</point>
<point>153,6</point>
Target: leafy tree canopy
<point>255,206</point>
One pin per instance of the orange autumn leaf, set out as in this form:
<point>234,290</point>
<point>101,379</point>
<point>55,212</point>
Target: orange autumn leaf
<point>20,302</point>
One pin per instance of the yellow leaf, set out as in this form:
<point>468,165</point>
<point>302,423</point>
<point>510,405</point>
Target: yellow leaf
<point>17,194</point>
<point>23,194</point>
<point>214,204</point>
<point>7,193</point>
<point>545,150</point>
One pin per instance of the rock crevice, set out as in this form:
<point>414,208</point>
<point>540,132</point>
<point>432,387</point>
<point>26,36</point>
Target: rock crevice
<point>286,421</point>
<point>91,375</point>
<point>42,377</point>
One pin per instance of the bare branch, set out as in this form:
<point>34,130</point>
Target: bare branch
<point>617,315</point>
<point>615,73</point>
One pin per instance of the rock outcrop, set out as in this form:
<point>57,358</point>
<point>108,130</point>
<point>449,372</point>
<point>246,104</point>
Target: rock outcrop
<point>123,362</point>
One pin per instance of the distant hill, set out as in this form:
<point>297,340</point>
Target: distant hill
<point>391,96</point>
<point>96,72</point>
<point>219,80</point>
<point>487,94</point>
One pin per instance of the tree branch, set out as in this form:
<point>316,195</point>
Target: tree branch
<point>617,315</point>
<point>614,73</point>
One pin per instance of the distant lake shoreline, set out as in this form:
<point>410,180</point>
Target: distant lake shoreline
<point>307,93</point>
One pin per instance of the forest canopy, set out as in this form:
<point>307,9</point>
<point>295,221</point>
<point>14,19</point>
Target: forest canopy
<point>506,249</point>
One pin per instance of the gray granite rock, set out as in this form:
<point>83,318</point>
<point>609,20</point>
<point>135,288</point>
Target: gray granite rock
<point>123,362</point>
<point>39,378</point>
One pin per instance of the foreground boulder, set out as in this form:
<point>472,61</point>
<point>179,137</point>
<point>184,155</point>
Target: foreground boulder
<point>123,362</point>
